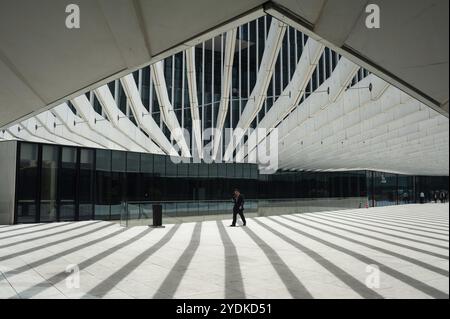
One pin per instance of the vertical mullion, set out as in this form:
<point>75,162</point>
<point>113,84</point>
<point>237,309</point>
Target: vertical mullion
<point>116,92</point>
<point>110,183</point>
<point>77,184</point>
<point>140,82</point>
<point>173,81</point>
<point>150,85</point>
<point>265,43</point>
<point>39,185</point>
<point>280,56</point>
<point>289,52</point>
<point>222,85</point>
<point>222,68</point>
<point>161,124</point>
<point>309,62</point>
<point>240,72</point>
<point>257,45</point>
<point>203,87</point>
<point>324,73</point>
<point>330,59</point>
<point>257,59</point>
<point>93,182</point>
<point>212,85</point>
<point>222,56</point>
<point>182,87</point>
<point>248,60</point>
<point>317,73</point>
<point>58,179</point>
<point>303,42</point>
<point>127,106</point>
<point>16,200</point>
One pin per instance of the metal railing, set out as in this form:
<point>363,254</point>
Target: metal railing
<point>141,212</point>
<point>136,213</point>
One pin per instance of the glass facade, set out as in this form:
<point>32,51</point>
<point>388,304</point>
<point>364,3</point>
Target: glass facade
<point>209,68</point>
<point>393,189</point>
<point>27,188</point>
<point>68,183</point>
<point>85,182</point>
<point>59,183</point>
<point>284,185</point>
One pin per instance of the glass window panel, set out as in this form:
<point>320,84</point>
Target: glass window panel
<point>238,171</point>
<point>230,170</point>
<point>385,189</point>
<point>103,184</point>
<point>118,161</point>
<point>122,100</point>
<point>146,163</point>
<point>194,169</point>
<point>97,106</point>
<point>118,183</point>
<point>133,187</point>
<point>49,179</point>
<point>254,171</point>
<point>27,183</point>
<point>86,185</point>
<point>203,170</point>
<point>133,162</point>
<point>118,193</point>
<point>103,160</point>
<point>112,88</point>
<point>159,165</point>
<point>247,168</point>
<point>171,167</point>
<point>213,169</point>
<point>221,169</point>
<point>183,169</point>
<point>145,88</point>
<point>67,183</point>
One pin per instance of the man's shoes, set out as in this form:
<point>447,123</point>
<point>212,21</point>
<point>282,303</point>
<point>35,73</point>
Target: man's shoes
<point>244,225</point>
<point>232,225</point>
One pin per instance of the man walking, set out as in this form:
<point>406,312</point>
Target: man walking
<point>238,207</point>
<point>422,197</point>
<point>405,198</point>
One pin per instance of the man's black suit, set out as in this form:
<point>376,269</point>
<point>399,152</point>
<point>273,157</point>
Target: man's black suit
<point>238,208</point>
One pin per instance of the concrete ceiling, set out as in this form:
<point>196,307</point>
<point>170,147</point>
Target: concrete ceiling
<point>43,63</point>
<point>410,49</point>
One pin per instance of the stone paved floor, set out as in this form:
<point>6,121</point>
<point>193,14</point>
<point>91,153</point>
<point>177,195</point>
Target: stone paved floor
<point>385,252</point>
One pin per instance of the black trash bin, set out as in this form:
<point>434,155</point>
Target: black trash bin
<point>157,215</point>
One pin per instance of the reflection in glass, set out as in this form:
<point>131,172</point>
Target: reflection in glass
<point>49,183</point>
<point>118,184</point>
<point>68,184</point>
<point>27,183</point>
<point>103,184</point>
<point>86,185</point>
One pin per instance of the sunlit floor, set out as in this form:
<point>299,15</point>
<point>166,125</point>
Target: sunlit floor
<point>385,252</point>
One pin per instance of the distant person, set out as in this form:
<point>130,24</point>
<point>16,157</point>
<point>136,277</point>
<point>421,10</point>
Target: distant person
<point>405,198</point>
<point>422,197</point>
<point>445,197</point>
<point>238,207</point>
<point>435,197</point>
<point>442,197</point>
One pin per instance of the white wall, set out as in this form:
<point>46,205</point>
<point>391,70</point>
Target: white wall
<point>7,181</point>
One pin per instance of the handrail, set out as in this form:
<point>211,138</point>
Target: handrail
<point>246,199</point>
<point>141,211</point>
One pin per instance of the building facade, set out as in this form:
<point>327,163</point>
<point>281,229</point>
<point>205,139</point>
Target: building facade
<point>65,183</point>
<point>340,132</point>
